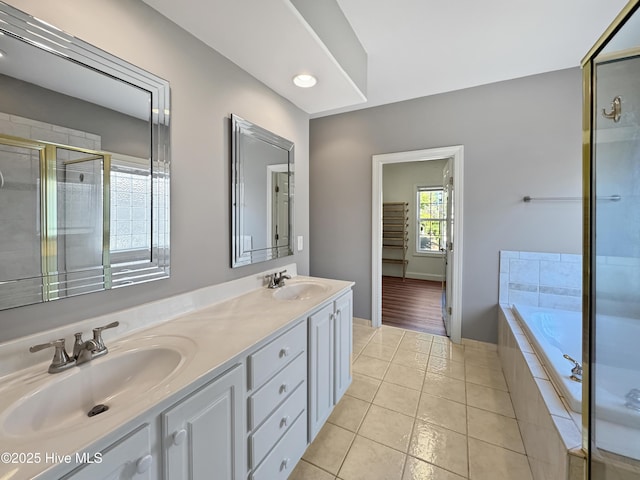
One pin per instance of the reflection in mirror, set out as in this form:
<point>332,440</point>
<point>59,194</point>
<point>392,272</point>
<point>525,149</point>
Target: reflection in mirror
<point>84,167</point>
<point>262,194</point>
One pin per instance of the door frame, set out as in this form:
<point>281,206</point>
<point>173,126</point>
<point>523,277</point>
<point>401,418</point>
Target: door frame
<point>456,153</point>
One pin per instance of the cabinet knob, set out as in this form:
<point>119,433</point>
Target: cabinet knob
<point>285,421</point>
<point>283,388</point>
<point>179,437</point>
<point>284,464</point>
<point>284,352</point>
<point>144,464</point>
<point>338,312</point>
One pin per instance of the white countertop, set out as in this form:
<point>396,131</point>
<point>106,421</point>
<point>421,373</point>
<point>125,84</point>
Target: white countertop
<point>211,339</point>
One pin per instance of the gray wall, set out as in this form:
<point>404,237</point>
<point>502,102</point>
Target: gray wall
<point>521,137</point>
<point>205,89</point>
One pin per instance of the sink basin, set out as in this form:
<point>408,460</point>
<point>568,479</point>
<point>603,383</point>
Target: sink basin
<point>299,291</point>
<point>115,380</point>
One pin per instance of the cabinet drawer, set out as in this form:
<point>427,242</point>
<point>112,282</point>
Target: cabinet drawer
<point>276,354</point>
<point>265,400</point>
<point>282,460</point>
<point>277,424</point>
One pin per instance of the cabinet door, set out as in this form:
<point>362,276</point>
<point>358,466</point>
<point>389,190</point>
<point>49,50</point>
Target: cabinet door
<point>204,434</point>
<point>129,458</point>
<point>343,345</point>
<point>321,325</point>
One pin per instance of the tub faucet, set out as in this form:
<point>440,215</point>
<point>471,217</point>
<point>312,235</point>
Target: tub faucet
<point>576,371</point>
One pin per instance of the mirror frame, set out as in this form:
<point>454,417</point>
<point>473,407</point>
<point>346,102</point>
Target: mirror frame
<point>20,25</point>
<point>239,129</point>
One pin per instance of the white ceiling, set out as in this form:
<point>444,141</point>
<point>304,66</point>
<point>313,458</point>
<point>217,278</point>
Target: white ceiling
<point>415,47</point>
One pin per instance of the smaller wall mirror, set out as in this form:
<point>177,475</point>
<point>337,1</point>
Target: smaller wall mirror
<point>261,194</point>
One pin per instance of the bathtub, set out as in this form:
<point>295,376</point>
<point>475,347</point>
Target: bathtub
<point>554,333</point>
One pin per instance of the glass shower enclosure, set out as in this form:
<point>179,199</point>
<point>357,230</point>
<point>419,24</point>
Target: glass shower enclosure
<point>611,337</point>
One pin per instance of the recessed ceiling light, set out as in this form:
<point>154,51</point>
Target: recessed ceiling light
<point>304,80</point>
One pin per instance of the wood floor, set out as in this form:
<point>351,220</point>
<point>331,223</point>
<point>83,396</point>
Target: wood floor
<point>412,304</point>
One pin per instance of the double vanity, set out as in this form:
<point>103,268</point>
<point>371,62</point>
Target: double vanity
<point>238,388</point>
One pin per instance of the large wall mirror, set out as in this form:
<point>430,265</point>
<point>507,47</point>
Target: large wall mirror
<point>84,166</point>
<point>261,194</point>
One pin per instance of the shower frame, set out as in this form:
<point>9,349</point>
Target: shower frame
<point>51,282</point>
<point>589,112</point>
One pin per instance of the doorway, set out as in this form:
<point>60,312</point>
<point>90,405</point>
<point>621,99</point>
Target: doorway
<point>452,312</point>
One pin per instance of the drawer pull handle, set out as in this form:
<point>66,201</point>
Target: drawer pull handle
<point>143,464</point>
<point>284,352</point>
<point>284,464</point>
<point>285,421</point>
<point>179,437</point>
<point>283,388</point>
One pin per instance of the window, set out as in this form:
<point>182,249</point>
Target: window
<point>430,219</point>
<point>130,209</point>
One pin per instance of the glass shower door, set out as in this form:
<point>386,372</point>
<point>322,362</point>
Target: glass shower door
<point>612,244</point>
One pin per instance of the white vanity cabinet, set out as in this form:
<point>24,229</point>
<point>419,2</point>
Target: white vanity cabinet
<point>129,458</point>
<point>202,435</point>
<point>330,345</point>
<point>277,405</point>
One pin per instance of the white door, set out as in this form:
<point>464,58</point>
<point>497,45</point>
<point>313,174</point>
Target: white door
<point>343,344</point>
<point>448,245</point>
<point>280,206</point>
<point>321,359</point>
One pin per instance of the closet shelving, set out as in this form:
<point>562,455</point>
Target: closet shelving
<point>395,234</point>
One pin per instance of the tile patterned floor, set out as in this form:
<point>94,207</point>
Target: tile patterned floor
<point>419,407</point>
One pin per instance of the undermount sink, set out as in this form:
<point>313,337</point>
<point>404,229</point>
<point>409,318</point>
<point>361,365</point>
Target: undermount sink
<point>299,291</point>
<point>116,380</point>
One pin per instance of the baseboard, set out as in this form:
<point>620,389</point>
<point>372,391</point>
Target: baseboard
<point>362,321</point>
<point>425,276</point>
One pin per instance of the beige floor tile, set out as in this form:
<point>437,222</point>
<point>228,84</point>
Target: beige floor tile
<point>441,339</point>
<point>443,412</point>
<point>411,359</point>
<point>445,366</point>
<point>306,471</point>
<point>494,428</point>
<point>397,398</point>
<point>362,332</point>
<point>368,460</point>
<point>349,413</point>
<point>483,358</point>
<point>415,344</point>
<point>448,350</point>
<point>409,377</point>
<point>485,376</point>
<point>387,337</point>
<point>496,401</point>
<point>379,350</point>
<point>329,448</point>
<point>385,426</point>
<point>489,462</point>
<point>419,335</point>
<point>416,469</point>
<point>363,387</point>
<point>443,386</point>
<point>444,448</point>
<point>371,367</point>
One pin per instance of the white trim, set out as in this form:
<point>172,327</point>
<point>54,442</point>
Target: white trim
<point>432,277</point>
<point>457,154</point>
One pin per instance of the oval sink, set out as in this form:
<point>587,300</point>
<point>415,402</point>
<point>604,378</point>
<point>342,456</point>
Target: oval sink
<point>114,380</point>
<point>299,291</point>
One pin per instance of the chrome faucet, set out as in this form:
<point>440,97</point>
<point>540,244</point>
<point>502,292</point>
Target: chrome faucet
<point>61,360</point>
<point>83,352</point>
<point>576,371</point>
<point>276,279</point>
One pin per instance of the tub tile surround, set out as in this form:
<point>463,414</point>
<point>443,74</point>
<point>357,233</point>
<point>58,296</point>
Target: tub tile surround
<point>552,280</point>
<point>551,432</point>
<point>402,421</point>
